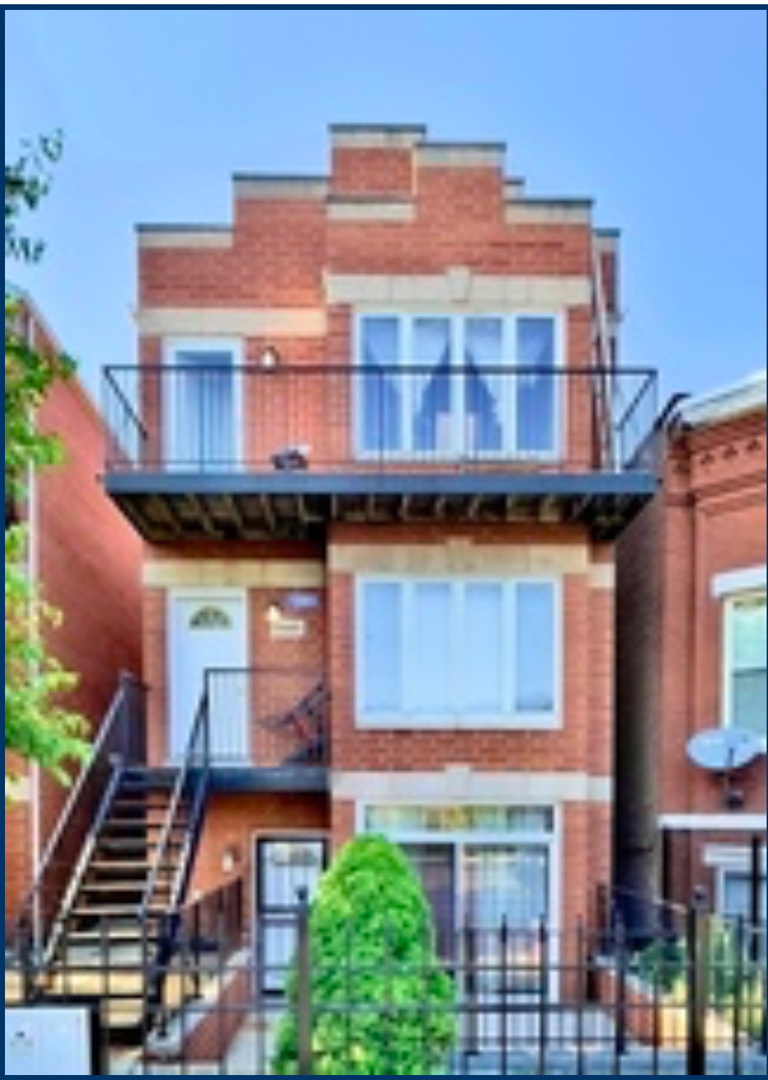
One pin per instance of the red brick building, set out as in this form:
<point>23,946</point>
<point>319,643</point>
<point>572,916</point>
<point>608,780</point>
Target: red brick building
<point>692,658</point>
<point>380,450</point>
<point>87,561</point>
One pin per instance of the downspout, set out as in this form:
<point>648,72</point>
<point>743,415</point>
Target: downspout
<point>35,786</point>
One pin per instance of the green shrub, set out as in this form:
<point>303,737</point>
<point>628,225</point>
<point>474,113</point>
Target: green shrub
<point>662,964</point>
<point>735,985</point>
<point>381,1005</point>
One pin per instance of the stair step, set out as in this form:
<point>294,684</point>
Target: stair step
<point>149,781</point>
<point>138,798</point>
<point>120,865</point>
<point>159,823</point>
<point>116,911</point>
<point>118,886</point>
<point>112,936</point>
<point>114,846</point>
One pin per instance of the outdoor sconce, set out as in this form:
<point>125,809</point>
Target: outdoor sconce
<point>269,359</point>
<point>230,858</point>
<point>274,612</point>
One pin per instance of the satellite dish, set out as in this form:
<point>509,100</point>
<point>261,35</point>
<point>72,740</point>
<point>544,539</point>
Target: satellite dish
<point>724,749</point>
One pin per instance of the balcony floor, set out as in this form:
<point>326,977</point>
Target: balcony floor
<point>244,779</point>
<point>167,506</point>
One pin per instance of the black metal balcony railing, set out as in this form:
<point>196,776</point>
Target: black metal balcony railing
<point>208,418</point>
<point>265,718</point>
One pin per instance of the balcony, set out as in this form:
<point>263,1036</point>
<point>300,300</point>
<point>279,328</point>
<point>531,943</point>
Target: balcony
<point>266,729</point>
<point>219,451</point>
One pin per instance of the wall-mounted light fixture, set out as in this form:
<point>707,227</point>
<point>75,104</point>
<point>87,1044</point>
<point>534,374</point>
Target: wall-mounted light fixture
<point>230,858</point>
<point>273,612</point>
<point>269,359</point>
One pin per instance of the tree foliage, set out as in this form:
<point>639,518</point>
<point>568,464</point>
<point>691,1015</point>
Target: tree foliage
<point>381,1004</point>
<point>37,727</point>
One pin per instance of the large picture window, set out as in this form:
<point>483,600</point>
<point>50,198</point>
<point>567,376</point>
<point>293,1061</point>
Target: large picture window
<point>458,652</point>
<point>745,663</point>
<point>438,386</point>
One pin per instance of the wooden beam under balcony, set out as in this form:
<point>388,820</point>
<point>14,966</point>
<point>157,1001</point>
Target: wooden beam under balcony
<point>166,506</point>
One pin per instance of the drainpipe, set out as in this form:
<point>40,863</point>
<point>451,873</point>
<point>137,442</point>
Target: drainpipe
<point>35,786</point>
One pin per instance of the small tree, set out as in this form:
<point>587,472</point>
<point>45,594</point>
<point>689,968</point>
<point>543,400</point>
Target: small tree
<point>37,727</point>
<point>381,1005</point>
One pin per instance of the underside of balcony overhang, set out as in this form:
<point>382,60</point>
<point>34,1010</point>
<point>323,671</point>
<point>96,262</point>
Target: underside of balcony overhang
<point>170,507</point>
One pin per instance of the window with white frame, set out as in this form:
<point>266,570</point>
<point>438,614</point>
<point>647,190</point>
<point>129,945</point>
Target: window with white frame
<point>735,895</point>
<point>744,665</point>
<point>452,652</point>
<point>452,386</point>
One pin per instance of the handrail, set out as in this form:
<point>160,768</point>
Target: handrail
<point>84,858</point>
<point>459,412</point>
<point>79,784</point>
<point>198,743</point>
<point>287,711</point>
<point>113,738</point>
<point>201,721</point>
<point>198,805</point>
<point>561,370</point>
<point>127,405</point>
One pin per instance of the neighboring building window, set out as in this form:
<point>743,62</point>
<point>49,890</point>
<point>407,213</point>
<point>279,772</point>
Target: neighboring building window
<point>736,895</point>
<point>745,663</point>
<point>458,652</point>
<point>436,386</point>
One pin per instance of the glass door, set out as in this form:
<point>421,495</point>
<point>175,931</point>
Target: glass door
<point>436,866</point>
<point>201,405</point>
<point>284,867</point>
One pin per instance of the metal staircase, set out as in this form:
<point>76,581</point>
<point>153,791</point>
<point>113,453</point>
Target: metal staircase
<point>109,934</point>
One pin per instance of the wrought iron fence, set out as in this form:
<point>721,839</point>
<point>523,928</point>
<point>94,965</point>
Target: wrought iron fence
<point>528,1002</point>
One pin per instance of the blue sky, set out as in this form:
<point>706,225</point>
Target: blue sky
<point>660,115</point>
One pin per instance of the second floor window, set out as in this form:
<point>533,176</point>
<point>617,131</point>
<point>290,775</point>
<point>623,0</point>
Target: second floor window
<point>434,652</point>
<point>745,663</point>
<point>458,386</point>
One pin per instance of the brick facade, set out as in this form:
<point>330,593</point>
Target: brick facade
<point>710,520</point>
<point>87,561</point>
<point>405,225</point>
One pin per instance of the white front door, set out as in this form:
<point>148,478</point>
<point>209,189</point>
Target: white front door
<point>208,631</point>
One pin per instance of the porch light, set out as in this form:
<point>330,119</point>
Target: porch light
<point>230,858</point>
<point>269,359</point>
<point>274,612</point>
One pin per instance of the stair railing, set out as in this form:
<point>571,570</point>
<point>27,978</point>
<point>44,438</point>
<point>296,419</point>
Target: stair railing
<point>121,740</point>
<point>190,790</point>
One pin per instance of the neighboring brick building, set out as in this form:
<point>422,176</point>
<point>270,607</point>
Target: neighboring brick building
<point>87,561</point>
<point>692,657</point>
<point>380,454</point>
